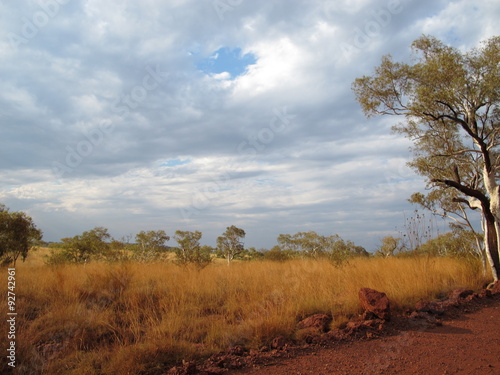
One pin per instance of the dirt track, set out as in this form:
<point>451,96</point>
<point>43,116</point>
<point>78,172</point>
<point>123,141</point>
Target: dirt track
<point>467,343</point>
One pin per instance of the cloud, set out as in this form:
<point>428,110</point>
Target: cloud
<point>181,115</point>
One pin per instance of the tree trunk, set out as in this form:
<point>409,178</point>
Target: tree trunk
<point>492,215</point>
<point>491,245</point>
<point>481,251</point>
<point>496,256</point>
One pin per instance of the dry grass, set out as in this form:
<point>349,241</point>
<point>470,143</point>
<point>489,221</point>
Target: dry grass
<point>140,318</point>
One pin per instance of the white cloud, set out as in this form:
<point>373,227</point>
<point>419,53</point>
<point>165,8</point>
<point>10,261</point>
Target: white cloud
<point>455,22</point>
<point>277,62</point>
<point>329,169</point>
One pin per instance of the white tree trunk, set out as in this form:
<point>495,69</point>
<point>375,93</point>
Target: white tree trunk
<point>489,253</point>
<point>494,193</point>
<point>482,251</point>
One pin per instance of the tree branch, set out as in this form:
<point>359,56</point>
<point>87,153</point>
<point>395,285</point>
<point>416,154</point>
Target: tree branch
<point>464,189</point>
<point>462,200</point>
<point>465,126</point>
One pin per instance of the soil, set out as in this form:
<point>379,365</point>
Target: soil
<point>465,340</point>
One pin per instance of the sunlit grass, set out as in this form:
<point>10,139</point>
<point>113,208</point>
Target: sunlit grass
<point>138,318</point>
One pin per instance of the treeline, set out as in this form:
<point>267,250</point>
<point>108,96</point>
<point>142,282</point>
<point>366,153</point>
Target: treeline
<point>150,246</point>
<point>98,245</point>
<point>19,235</point>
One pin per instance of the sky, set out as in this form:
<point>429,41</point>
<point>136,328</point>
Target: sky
<point>202,114</point>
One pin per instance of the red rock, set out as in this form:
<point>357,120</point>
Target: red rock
<point>485,293</point>
<point>495,288</point>
<point>471,297</point>
<point>231,359</point>
<point>367,328</point>
<point>375,302</point>
<point>458,294</point>
<point>368,315</point>
<point>278,343</point>
<point>354,325</point>
<point>429,307</point>
<point>253,353</point>
<point>187,368</point>
<point>236,350</point>
<point>362,324</point>
<point>319,321</point>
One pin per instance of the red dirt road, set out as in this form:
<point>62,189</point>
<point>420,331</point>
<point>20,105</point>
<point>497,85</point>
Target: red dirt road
<point>467,343</point>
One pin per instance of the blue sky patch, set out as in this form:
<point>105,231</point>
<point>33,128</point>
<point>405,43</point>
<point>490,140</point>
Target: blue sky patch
<point>228,60</point>
<point>174,163</point>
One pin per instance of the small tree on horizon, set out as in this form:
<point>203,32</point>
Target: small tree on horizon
<point>189,250</point>
<point>150,244</point>
<point>229,244</point>
<point>94,244</point>
<point>389,246</point>
<point>312,245</point>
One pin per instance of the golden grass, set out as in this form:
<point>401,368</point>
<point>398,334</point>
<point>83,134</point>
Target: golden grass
<point>136,318</point>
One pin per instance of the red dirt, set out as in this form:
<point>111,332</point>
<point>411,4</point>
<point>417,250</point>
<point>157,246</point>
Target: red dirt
<point>467,342</point>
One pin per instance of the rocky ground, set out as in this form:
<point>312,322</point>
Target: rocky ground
<point>457,335</point>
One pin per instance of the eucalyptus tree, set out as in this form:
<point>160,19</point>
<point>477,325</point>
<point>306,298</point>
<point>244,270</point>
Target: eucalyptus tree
<point>313,245</point>
<point>18,235</point>
<point>229,244</point>
<point>152,240</point>
<point>94,244</point>
<point>190,251</point>
<point>450,102</point>
<point>389,246</point>
<point>150,244</point>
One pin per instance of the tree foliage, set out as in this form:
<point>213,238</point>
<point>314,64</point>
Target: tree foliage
<point>389,246</point>
<point>446,203</point>
<point>150,244</point>
<point>450,101</point>
<point>277,254</point>
<point>458,243</point>
<point>94,244</point>
<point>229,245</point>
<point>18,235</point>
<point>313,245</point>
<point>152,240</point>
<point>189,250</point>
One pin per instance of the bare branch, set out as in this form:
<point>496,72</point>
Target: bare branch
<point>464,189</point>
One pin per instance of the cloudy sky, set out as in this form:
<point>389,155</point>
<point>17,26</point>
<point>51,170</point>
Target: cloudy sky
<point>201,114</point>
